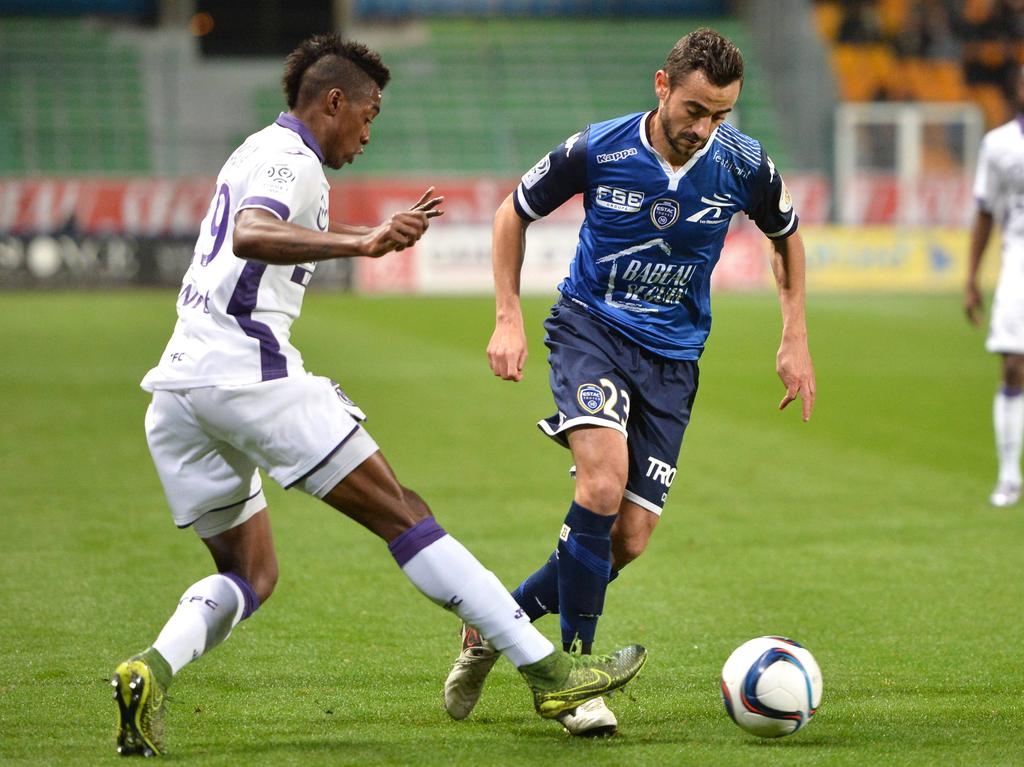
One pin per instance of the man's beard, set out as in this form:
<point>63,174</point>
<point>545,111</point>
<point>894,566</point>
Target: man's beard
<point>677,146</point>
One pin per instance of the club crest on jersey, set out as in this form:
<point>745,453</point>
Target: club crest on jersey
<point>341,393</point>
<point>590,397</point>
<point>664,212</point>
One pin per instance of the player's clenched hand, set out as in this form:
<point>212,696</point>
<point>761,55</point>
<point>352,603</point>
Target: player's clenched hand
<point>794,366</point>
<point>972,304</point>
<point>404,228</point>
<point>507,352</point>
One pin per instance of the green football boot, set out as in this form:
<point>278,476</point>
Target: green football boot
<point>140,704</point>
<point>561,682</point>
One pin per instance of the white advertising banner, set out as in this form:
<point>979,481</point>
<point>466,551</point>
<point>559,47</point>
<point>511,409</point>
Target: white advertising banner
<point>456,258</point>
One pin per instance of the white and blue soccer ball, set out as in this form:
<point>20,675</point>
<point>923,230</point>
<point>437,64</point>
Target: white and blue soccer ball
<point>771,686</point>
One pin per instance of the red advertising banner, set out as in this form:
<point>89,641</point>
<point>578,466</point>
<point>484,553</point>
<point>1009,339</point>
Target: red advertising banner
<point>69,231</point>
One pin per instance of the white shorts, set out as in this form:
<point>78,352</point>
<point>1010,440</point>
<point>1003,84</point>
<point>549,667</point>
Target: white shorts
<point>1006,329</point>
<point>208,442</point>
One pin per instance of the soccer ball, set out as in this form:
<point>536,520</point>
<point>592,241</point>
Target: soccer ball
<point>771,686</point>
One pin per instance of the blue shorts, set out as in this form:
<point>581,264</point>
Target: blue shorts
<point>601,378</point>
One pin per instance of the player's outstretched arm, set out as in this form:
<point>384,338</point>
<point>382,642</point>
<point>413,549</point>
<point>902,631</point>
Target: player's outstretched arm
<point>981,230</point>
<point>507,350</point>
<point>262,236</point>
<point>793,362</point>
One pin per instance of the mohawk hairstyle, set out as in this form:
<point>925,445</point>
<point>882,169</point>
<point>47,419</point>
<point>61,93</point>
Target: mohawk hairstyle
<point>326,61</point>
<point>705,50</point>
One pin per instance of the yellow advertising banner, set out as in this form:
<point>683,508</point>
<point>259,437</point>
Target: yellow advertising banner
<point>892,259</point>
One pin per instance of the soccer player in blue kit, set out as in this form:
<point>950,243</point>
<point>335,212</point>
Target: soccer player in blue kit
<point>231,397</point>
<point>625,336</point>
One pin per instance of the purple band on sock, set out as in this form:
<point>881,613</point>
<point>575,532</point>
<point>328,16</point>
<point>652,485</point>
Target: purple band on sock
<point>252,602</point>
<point>415,539</point>
<point>1010,391</point>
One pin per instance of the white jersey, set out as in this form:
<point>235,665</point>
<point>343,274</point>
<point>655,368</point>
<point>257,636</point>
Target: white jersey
<point>999,189</point>
<point>234,315</point>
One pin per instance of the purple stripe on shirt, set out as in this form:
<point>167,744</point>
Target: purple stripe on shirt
<point>415,539</point>
<point>292,122</point>
<point>252,602</point>
<point>272,362</point>
<point>276,207</point>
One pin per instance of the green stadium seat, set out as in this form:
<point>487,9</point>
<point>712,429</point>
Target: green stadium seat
<point>80,112</point>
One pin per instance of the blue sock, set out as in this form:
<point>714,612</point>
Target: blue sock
<point>584,568</point>
<point>538,594</point>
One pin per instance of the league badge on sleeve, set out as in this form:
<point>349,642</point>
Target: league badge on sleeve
<point>785,201</point>
<point>590,397</point>
<point>664,212</point>
<point>537,172</point>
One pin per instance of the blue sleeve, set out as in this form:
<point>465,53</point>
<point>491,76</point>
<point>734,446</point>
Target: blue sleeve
<point>770,206</point>
<point>560,175</point>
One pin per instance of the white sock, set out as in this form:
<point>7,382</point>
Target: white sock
<point>446,572</point>
<point>1008,416</point>
<point>206,613</point>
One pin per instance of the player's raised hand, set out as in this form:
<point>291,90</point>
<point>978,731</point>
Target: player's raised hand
<point>428,204</point>
<point>973,305</point>
<point>795,369</point>
<point>404,229</point>
<point>507,350</point>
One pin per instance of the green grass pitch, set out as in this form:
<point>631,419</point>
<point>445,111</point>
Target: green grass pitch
<point>864,534</point>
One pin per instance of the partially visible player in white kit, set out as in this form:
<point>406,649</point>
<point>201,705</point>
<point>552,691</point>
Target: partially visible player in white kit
<point>999,189</point>
<point>230,397</point>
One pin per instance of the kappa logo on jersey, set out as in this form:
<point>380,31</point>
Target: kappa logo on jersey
<point>664,212</point>
<point>712,214</point>
<point>622,154</point>
<point>537,172</point>
<point>622,200</point>
<point>590,397</point>
<point>571,142</point>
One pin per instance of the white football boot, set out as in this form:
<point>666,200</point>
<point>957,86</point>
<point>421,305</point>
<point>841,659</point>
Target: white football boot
<point>466,680</point>
<point>1005,494</point>
<point>592,719</point>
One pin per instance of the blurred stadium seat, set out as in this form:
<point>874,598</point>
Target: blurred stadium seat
<point>492,96</point>
<point>72,100</point>
<point>924,50</point>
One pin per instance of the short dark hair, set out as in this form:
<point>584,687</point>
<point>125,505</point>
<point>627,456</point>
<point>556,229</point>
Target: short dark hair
<point>705,50</point>
<point>326,61</point>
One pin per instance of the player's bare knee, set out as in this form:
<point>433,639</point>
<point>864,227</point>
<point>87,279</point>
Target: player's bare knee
<point>600,492</point>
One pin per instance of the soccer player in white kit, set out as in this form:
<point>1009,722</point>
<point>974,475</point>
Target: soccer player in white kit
<point>230,397</point>
<point>999,189</point>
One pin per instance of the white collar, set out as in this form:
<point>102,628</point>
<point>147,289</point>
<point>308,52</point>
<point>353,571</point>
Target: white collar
<point>674,176</point>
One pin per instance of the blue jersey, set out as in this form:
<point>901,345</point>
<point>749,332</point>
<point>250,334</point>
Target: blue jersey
<point>652,236</point>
